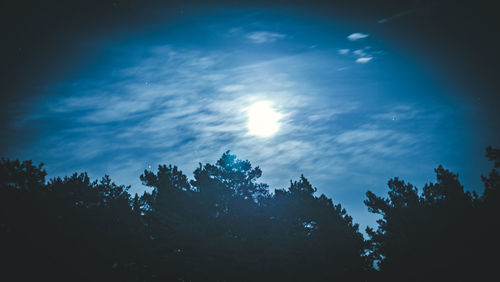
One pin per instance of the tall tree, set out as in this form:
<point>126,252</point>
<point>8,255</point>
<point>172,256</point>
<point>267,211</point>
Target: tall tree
<point>435,234</point>
<point>69,228</point>
<point>226,226</point>
<point>315,238</point>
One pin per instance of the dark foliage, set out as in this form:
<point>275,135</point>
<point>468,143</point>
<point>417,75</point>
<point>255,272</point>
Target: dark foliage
<point>67,229</point>
<point>223,225</point>
<point>443,233</point>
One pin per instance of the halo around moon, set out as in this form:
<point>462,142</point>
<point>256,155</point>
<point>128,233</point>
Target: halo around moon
<point>263,120</point>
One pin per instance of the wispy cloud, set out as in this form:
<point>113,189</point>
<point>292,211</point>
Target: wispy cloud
<point>407,112</point>
<point>357,36</point>
<point>396,16</point>
<point>363,60</point>
<point>260,37</point>
<point>420,7</point>
<point>359,52</point>
<point>362,55</point>
<point>344,51</point>
<point>192,108</point>
<point>183,106</point>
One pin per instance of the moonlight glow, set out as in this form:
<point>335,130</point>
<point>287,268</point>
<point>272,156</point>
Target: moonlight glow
<point>263,120</point>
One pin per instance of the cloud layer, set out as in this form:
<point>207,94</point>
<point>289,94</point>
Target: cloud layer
<point>185,103</point>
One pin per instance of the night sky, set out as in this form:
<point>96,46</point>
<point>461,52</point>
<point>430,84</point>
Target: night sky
<point>359,92</point>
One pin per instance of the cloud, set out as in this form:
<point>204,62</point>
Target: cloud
<point>396,16</point>
<point>232,88</point>
<point>363,60</point>
<point>192,109</point>
<point>260,37</point>
<point>357,36</point>
<point>407,113</point>
<point>362,135</point>
<point>343,51</point>
<point>359,52</point>
<point>370,144</point>
<point>362,56</point>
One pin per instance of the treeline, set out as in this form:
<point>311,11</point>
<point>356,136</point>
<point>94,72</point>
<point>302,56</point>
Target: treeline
<point>224,225</point>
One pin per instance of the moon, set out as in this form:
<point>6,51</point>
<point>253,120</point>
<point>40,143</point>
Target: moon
<point>263,120</point>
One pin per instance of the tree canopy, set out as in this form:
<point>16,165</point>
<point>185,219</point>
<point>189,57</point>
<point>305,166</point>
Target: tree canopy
<point>442,233</point>
<point>225,225</point>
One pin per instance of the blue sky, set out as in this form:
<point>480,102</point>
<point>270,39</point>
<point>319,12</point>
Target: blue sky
<point>355,111</point>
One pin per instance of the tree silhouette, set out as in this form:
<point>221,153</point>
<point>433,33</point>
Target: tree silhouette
<point>491,195</point>
<point>318,240</point>
<point>69,228</point>
<point>443,233</point>
<point>224,225</point>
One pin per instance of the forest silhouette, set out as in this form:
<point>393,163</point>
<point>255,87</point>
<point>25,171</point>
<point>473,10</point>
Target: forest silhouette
<point>224,225</point>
